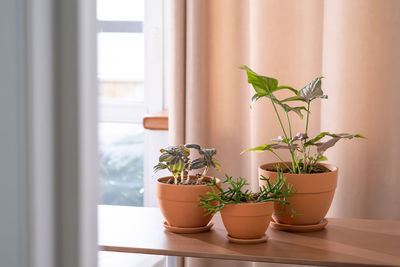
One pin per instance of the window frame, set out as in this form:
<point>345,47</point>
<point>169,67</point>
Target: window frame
<point>155,97</point>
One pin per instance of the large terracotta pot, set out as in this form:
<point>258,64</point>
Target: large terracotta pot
<point>247,220</point>
<point>179,204</point>
<point>313,198</point>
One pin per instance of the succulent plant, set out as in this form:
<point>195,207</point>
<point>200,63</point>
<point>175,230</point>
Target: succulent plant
<point>277,191</point>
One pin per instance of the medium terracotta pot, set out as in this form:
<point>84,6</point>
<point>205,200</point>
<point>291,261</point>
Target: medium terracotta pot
<point>247,220</point>
<point>179,204</point>
<point>313,198</point>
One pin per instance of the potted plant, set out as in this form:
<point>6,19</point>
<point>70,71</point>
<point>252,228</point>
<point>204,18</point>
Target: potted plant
<point>178,194</point>
<point>314,182</point>
<point>246,215</point>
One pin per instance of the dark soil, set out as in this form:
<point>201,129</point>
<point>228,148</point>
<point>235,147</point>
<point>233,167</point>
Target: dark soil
<point>191,182</point>
<point>317,169</point>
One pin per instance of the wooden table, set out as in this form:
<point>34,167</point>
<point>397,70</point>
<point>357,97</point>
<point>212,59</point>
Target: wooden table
<point>345,242</point>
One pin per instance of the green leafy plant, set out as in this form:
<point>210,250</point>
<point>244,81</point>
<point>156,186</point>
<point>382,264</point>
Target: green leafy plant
<point>299,145</point>
<point>177,160</point>
<point>277,191</point>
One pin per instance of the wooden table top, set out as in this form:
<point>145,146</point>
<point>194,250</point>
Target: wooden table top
<point>349,242</point>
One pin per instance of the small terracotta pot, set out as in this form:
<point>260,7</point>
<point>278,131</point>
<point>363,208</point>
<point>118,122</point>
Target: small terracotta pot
<point>313,198</point>
<point>179,204</point>
<point>247,220</point>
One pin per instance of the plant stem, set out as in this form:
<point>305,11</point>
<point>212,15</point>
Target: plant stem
<point>279,118</point>
<point>294,160</point>
<point>308,115</point>
<point>284,133</point>
<point>175,179</point>
<point>290,127</point>
<point>304,150</point>
<point>284,163</point>
<point>203,174</point>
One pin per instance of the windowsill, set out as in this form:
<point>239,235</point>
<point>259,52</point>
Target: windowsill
<point>156,121</point>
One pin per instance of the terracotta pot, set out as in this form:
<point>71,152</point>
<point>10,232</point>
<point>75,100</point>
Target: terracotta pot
<point>179,204</point>
<point>313,198</point>
<point>247,220</point>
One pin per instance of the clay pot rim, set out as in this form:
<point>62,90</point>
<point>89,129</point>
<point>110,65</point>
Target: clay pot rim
<point>186,186</point>
<point>331,167</point>
<point>252,203</point>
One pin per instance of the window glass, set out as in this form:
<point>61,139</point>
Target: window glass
<point>120,10</point>
<point>120,71</point>
<point>121,163</point>
<point>121,66</point>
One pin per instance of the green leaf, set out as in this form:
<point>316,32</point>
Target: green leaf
<point>195,146</point>
<point>316,139</point>
<point>262,85</point>
<point>312,90</point>
<point>296,110</point>
<point>286,107</point>
<point>293,98</point>
<point>217,165</point>
<point>299,136</point>
<point>280,139</point>
<point>198,164</point>
<point>321,158</point>
<point>177,165</point>
<point>257,149</point>
<point>254,99</point>
<point>288,87</point>
<point>159,166</point>
<point>339,136</point>
<point>270,147</point>
<point>323,146</point>
<point>166,157</point>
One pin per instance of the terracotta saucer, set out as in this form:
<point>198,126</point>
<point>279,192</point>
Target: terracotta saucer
<point>299,228</point>
<point>264,238</point>
<point>188,230</point>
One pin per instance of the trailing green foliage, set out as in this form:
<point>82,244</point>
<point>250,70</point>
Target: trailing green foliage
<point>299,145</point>
<point>277,191</point>
<point>177,160</point>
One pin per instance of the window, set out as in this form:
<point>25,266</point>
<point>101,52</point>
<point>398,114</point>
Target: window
<point>122,101</point>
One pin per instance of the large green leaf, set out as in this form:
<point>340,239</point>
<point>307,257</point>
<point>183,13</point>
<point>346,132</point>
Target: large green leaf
<point>312,90</point>
<point>262,85</point>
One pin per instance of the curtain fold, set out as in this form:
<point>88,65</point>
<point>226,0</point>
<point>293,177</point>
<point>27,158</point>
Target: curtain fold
<point>352,43</point>
<point>361,63</point>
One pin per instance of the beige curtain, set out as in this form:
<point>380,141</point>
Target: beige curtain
<point>353,43</point>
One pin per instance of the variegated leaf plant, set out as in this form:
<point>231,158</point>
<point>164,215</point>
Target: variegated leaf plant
<point>299,145</point>
<point>177,160</point>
